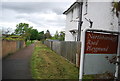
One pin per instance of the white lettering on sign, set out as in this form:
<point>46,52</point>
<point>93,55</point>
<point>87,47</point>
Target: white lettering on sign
<point>102,37</point>
<point>95,49</point>
<point>90,48</point>
<point>97,43</point>
<point>92,42</point>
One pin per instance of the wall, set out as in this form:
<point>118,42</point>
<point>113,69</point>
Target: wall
<point>99,12</point>
<point>70,24</point>
<point>10,46</point>
<point>67,49</point>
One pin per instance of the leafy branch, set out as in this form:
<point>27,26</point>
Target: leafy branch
<point>116,8</point>
<point>113,60</point>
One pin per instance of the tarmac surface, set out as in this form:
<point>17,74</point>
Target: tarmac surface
<point>17,66</point>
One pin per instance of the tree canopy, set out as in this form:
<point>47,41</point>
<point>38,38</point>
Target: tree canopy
<point>23,30</point>
<point>28,33</point>
<point>116,8</point>
<point>41,35</point>
<point>47,35</point>
<point>34,34</point>
<point>59,36</point>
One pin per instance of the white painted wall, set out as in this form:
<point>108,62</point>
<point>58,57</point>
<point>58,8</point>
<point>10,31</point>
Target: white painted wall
<point>70,25</point>
<point>99,12</point>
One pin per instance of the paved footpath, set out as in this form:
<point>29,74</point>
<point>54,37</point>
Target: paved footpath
<point>17,66</point>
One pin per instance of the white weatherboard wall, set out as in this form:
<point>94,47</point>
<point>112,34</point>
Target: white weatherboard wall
<point>99,12</point>
<point>70,25</point>
<point>102,16</point>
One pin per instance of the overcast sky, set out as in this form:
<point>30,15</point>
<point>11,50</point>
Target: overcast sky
<point>41,15</point>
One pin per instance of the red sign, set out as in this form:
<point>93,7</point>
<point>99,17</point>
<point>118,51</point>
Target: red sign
<point>99,43</point>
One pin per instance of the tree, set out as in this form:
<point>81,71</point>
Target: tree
<point>56,36</point>
<point>59,36</point>
<point>62,36</point>
<point>116,8</point>
<point>41,36</point>
<point>23,30</point>
<point>34,34</point>
<point>47,34</point>
<point>6,31</point>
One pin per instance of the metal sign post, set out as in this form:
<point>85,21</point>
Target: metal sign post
<point>96,45</point>
<point>82,57</point>
<point>117,75</point>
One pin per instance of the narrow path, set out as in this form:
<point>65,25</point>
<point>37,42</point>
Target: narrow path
<point>17,66</point>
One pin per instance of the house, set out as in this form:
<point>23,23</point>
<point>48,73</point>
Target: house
<point>94,15</point>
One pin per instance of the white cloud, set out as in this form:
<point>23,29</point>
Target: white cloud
<point>42,16</point>
<point>38,0</point>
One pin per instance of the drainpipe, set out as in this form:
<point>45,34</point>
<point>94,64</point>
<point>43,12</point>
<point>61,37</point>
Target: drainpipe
<point>80,21</point>
<point>79,35</point>
<point>119,45</point>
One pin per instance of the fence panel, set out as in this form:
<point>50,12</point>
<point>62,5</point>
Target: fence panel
<point>63,49</point>
<point>74,51</point>
<point>56,47</point>
<point>10,46</point>
<point>67,49</point>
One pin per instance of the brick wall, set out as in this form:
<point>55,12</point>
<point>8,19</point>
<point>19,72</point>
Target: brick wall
<point>10,46</point>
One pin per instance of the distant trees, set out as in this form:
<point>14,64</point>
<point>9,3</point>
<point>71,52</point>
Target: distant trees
<point>47,35</point>
<point>62,36</point>
<point>41,35</point>
<point>28,33</point>
<point>23,30</point>
<point>34,34</point>
<point>56,36</point>
<point>59,36</point>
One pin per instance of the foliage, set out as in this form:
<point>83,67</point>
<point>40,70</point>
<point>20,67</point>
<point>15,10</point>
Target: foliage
<point>56,36</point>
<point>62,36</point>
<point>116,8</point>
<point>33,34</point>
<point>28,33</point>
<point>59,36</point>
<point>29,43</point>
<point>23,30</point>
<point>47,35</point>
<point>13,37</point>
<point>46,64</point>
<point>41,36</point>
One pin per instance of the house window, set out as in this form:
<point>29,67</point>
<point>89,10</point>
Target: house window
<point>71,19</point>
<point>78,11</point>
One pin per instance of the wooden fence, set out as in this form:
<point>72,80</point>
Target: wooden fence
<point>11,46</point>
<point>68,49</point>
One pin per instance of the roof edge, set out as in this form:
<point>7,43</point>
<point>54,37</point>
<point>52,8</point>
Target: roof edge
<point>71,7</point>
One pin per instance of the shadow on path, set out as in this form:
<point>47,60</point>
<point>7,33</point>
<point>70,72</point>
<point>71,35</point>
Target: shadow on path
<point>17,66</point>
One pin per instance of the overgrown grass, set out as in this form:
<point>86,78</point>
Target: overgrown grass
<point>46,64</point>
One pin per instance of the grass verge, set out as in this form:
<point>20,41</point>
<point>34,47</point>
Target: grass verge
<point>46,64</point>
<point>29,42</point>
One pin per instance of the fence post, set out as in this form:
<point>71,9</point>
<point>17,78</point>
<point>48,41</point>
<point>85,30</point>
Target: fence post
<point>78,54</point>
